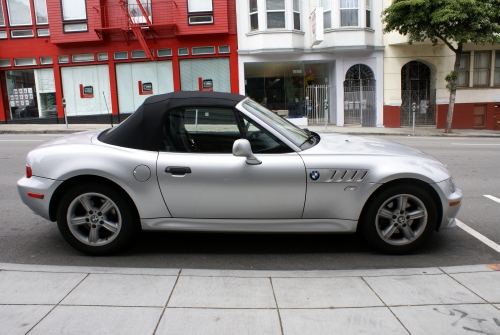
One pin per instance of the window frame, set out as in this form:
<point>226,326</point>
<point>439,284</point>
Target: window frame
<point>46,12</point>
<point>477,69</point>
<point>465,70</point>
<point>296,12</point>
<point>10,18</point>
<point>254,14</point>
<point>368,14</point>
<point>74,21</point>
<point>349,9</point>
<point>2,12</point>
<point>496,73</point>
<point>329,11</point>
<point>201,11</point>
<point>276,11</point>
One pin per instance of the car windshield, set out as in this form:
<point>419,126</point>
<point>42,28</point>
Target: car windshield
<point>287,129</point>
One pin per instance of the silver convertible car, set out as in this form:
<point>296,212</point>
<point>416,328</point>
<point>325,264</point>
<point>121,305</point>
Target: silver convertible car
<point>220,162</point>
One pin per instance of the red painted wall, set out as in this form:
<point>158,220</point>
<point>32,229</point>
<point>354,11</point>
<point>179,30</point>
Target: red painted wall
<point>221,33</point>
<point>392,116</point>
<point>463,115</point>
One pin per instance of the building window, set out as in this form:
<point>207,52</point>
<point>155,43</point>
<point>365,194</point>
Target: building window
<point>2,19</point>
<point>63,59</point>
<point>41,12</point>
<point>296,14</point>
<point>83,58</point>
<point>102,56</point>
<point>19,12</point>
<point>75,27</point>
<point>43,32</point>
<point>201,19</point>
<point>4,63</point>
<point>3,34</point>
<point>121,55</point>
<point>24,61</point>
<point>21,33</point>
<point>136,13</point>
<point>463,70</point>
<point>46,60</point>
<point>138,54</point>
<point>348,13</point>
<point>164,52</point>
<point>275,14</point>
<point>183,52</point>
<point>73,10</point>
<point>482,68</point>
<point>254,17</point>
<point>224,49</point>
<point>203,51</point>
<point>497,68</point>
<point>196,6</point>
<point>327,13</point>
<point>368,14</point>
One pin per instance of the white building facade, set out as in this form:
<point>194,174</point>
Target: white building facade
<point>303,58</point>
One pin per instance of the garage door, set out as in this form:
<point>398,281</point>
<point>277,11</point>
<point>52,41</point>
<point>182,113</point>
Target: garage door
<point>216,69</point>
<point>128,76</point>
<point>95,76</point>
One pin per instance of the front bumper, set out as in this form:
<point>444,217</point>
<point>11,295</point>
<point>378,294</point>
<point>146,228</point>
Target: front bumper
<point>447,197</point>
<point>40,186</point>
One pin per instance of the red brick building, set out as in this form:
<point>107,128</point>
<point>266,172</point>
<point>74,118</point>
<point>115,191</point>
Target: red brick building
<point>107,56</point>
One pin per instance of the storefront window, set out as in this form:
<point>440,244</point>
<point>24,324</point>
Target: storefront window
<point>281,86</point>
<point>31,94</point>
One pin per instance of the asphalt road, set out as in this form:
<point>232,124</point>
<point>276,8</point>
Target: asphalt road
<point>474,162</point>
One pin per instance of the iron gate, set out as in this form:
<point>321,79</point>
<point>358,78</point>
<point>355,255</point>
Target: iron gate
<point>417,95</point>
<point>317,100</point>
<point>359,96</point>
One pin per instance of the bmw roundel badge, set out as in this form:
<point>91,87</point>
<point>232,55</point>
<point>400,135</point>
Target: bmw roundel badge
<point>314,175</point>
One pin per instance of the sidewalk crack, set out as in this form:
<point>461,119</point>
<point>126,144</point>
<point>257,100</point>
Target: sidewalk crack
<point>277,307</point>
<point>168,300</point>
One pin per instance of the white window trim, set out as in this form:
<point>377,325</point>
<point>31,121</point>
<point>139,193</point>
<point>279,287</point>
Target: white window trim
<point>206,22</point>
<point>18,25</point>
<point>255,13</point>
<point>278,11</point>
<point>359,9</point>
<point>3,14</point>
<point>204,53</point>
<point>74,19</point>
<point>46,9</point>
<point>201,11</point>
<point>27,36</point>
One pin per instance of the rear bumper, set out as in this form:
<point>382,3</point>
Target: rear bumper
<point>40,186</point>
<point>447,197</point>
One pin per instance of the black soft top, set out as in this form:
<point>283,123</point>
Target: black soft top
<point>142,129</point>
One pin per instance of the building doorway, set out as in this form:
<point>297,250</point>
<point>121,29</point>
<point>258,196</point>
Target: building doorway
<point>359,96</point>
<point>417,95</point>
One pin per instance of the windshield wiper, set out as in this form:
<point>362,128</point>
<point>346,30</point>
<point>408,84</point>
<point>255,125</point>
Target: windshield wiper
<point>310,137</point>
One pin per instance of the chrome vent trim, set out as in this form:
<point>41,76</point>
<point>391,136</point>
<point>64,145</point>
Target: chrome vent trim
<point>347,176</point>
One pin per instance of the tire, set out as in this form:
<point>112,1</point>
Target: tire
<point>102,219</point>
<point>392,229</point>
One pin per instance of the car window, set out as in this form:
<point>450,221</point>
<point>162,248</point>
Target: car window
<point>260,139</point>
<point>200,129</point>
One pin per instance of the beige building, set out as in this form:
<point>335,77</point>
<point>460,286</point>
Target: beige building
<point>414,82</point>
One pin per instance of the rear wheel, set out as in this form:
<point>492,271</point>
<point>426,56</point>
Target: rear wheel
<point>95,219</point>
<point>399,219</point>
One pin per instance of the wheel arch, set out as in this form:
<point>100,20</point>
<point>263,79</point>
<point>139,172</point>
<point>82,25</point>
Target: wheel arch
<point>408,181</point>
<point>71,182</point>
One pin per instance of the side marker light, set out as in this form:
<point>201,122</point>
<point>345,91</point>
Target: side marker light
<point>454,203</point>
<point>35,195</point>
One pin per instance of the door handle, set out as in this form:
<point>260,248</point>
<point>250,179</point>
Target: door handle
<point>178,170</point>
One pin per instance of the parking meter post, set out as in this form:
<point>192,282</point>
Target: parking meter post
<point>326,110</point>
<point>414,108</point>
<point>64,109</point>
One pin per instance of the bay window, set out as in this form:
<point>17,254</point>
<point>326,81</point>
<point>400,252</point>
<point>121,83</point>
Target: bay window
<point>349,13</point>
<point>19,12</point>
<point>327,13</point>
<point>296,14</point>
<point>254,17</point>
<point>275,14</point>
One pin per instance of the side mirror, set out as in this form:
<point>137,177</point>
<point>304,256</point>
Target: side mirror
<point>242,148</point>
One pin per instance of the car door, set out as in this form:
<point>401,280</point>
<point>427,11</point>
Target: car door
<point>200,178</point>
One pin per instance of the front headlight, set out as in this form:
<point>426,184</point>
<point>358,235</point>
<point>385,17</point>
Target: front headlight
<point>451,184</point>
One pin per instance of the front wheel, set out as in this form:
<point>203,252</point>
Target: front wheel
<point>95,219</point>
<point>399,219</point>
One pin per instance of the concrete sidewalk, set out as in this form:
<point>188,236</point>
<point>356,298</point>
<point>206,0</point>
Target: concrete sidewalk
<point>351,130</point>
<point>82,300</point>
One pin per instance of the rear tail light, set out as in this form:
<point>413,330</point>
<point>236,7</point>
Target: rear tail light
<point>29,173</point>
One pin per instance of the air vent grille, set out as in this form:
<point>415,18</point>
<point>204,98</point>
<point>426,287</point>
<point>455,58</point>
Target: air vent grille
<point>347,176</point>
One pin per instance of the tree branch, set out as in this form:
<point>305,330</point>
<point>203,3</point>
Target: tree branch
<point>446,42</point>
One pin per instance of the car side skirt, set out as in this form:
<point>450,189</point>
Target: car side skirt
<point>246,225</point>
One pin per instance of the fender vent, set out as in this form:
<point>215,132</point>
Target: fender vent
<point>347,176</point>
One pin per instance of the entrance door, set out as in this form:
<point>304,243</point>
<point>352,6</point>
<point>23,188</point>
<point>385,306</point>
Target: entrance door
<point>417,95</point>
<point>199,176</point>
<point>359,96</point>
<point>497,117</point>
<point>479,116</point>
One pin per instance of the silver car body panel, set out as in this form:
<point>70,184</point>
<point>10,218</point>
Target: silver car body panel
<point>76,155</point>
<point>223,186</point>
<point>223,193</point>
<point>246,225</point>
